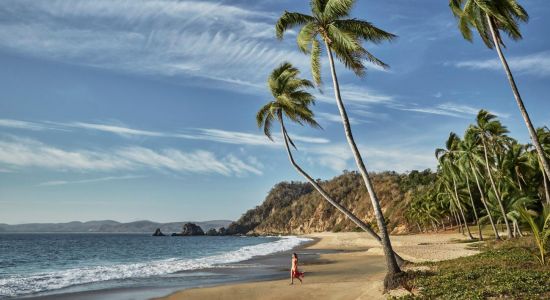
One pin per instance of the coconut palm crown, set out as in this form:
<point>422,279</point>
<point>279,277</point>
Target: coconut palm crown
<point>329,21</point>
<point>505,15</point>
<point>289,99</point>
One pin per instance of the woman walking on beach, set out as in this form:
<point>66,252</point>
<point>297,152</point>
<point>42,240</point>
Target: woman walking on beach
<point>294,273</point>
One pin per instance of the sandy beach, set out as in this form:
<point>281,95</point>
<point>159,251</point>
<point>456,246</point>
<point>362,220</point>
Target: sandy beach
<point>355,271</point>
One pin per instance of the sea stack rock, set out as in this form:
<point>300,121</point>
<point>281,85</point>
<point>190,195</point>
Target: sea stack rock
<point>190,229</point>
<point>158,233</point>
<point>212,232</point>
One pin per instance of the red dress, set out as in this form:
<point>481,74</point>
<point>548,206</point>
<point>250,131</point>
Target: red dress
<point>297,274</point>
<point>294,271</point>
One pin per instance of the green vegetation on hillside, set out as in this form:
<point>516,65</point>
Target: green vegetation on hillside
<point>281,195</point>
<point>294,207</point>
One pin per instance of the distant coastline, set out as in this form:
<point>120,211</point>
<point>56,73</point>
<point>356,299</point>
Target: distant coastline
<point>106,226</point>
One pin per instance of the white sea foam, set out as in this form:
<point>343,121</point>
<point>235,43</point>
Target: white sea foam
<point>21,285</point>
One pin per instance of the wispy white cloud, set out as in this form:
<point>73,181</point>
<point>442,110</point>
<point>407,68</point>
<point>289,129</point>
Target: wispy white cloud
<point>205,134</point>
<point>458,108</point>
<point>91,180</point>
<point>120,130</point>
<point>447,109</point>
<point>368,116</point>
<point>334,118</point>
<point>338,157</point>
<point>233,137</point>
<point>174,11</point>
<point>231,44</point>
<point>537,64</point>
<point>334,156</point>
<point>18,152</point>
<point>436,110</point>
<point>10,123</point>
<point>398,159</point>
<point>201,39</point>
<point>355,94</point>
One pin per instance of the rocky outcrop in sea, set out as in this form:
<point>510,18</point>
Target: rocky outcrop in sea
<point>190,229</point>
<point>158,233</point>
<point>214,232</point>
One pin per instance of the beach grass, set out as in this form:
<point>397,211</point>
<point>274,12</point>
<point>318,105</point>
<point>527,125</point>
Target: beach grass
<point>504,270</point>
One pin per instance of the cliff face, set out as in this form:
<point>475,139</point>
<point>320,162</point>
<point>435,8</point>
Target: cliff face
<point>296,208</point>
<point>281,197</point>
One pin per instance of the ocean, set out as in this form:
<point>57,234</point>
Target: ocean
<point>34,265</point>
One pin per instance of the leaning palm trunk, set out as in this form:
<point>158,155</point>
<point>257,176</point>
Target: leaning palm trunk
<point>434,226</point>
<point>393,267</point>
<point>353,218</point>
<point>497,195</point>
<point>516,228</point>
<point>473,206</point>
<point>497,236</point>
<point>458,222</point>
<point>461,210</point>
<point>517,96</point>
<point>546,189</point>
<point>545,181</point>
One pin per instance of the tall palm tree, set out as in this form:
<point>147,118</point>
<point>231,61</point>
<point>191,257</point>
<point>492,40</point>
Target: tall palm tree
<point>291,100</point>
<point>543,135</point>
<point>469,156</point>
<point>489,130</point>
<point>342,37</point>
<point>516,164</point>
<point>448,161</point>
<point>489,18</point>
<point>465,172</point>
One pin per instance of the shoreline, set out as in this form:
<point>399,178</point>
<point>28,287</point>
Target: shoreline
<point>354,268</point>
<point>309,255</point>
<point>264,268</point>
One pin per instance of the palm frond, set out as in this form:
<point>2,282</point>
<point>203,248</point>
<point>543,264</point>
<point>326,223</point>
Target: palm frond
<point>365,30</point>
<point>291,100</point>
<point>289,20</point>
<point>502,15</point>
<point>262,114</point>
<point>316,61</point>
<point>306,36</point>
<point>268,122</point>
<point>335,9</point>
<point>351,60</point>
<point>344,39</point>
<point>373,59</point>
<point>317,6</point>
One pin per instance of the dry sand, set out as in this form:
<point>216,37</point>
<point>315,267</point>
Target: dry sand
<point>355,273</point>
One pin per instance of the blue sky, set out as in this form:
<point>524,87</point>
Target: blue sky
<point>133,110</point>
